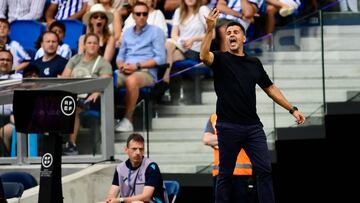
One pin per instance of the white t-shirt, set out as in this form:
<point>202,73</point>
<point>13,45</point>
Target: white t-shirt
<point>195,25</point>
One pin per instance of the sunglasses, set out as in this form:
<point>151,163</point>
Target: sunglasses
<point>141,13</point>
<point>99,16</point>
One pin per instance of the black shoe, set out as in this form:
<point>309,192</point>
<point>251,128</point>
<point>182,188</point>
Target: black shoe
<point>70,149</point>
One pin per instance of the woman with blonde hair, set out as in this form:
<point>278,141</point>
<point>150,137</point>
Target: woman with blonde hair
<point>114,7</point>
<point>188,30</point>
<point>86,65</point>
<point>97,20</point>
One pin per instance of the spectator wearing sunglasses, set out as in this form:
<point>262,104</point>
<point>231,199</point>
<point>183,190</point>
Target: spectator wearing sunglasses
<point>97,20</point>
<point>156,17</point>
<point>142,49</point>
<point>112,6</point>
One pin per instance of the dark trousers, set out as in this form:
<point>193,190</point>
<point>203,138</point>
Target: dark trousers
<point>241,190</point>
<point>232,137</point>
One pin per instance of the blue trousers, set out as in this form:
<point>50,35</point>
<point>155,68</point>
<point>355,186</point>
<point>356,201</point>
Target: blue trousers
<point>231,138</point>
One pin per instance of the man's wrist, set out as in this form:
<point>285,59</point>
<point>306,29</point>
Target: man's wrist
<point>293,109</point>
<point>121,200</point>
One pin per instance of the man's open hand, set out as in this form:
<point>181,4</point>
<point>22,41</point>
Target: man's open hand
<point>211,18</point>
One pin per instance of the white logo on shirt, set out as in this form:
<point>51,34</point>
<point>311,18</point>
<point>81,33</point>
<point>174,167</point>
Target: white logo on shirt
<point>47,71</point>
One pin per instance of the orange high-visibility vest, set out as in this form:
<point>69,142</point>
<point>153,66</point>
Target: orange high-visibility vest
<point>243,164</point>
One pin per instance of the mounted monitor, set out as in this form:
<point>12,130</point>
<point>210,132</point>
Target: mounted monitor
<point>44,111</point>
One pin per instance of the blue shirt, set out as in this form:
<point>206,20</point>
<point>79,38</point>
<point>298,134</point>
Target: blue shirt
<point>137,47</point>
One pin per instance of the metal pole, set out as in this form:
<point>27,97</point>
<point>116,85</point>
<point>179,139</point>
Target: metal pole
<point>322,59</point>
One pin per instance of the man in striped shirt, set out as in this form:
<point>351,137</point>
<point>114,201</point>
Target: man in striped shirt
<point>65,9</point>
<point>21,9</point>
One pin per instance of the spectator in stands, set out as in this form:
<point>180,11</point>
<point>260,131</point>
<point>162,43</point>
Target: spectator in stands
<point>6,129</point>
<point>86,65</point>
<point>64,9</point>
<point>284,7</point>
<point>6,63</point>
<point>21,9</point>
<point>242,11</point>
<point>116,4</point>
<point>6,117</point>
<point>31,71</point>
<point>21,58</point>
<point>349,5</point>
<point>242,175</point>
<point>171,5</point>
<point>121,6</point>
<point>116,26</point>
<point>238,126</point>
<point>126,10</point>
<point>188,30</point>
<point>50,64</point>
<point>142,49</point>
<point>97,20</point>
<point>137,179</point>
<point>63,49</point>
<point>156,17</point>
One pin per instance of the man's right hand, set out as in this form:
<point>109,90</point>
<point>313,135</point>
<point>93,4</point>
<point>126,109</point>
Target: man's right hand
<point>112,200</point>
<point>212,18</point>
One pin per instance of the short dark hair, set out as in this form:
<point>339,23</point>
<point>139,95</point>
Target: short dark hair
<point>49,32</point>
<point>10,54</point>
<point>31,71</point>
<point>234,23</point>
<point>58,24</point>
<point>140,3</point>
<point>4,20</point>
<point>135,137</point>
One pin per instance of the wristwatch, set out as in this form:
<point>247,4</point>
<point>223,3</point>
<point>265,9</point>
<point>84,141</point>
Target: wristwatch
<point>121,200</point>
<point>293,109</point>
<point>138,67</point>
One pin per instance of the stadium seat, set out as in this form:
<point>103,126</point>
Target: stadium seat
<point>13,190</point>
<point>27,33</point>
<point>74,30</point>
<point>13,143</point>
<point>194,69</point>
<point>172,189</point>
<point>32,144</point>
<point>26,179</point>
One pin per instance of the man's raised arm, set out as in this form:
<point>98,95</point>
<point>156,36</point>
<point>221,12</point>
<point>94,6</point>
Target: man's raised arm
<point>205,55</point>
